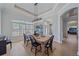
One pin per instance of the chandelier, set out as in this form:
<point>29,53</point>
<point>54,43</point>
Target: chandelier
<point>36,18</point>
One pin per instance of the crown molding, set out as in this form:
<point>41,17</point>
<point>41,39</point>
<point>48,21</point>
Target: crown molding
<point>22,9</point>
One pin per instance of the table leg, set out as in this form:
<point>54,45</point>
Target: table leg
<point>43,50</point>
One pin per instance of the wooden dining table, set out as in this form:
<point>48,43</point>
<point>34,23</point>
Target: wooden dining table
<point>42,40</point>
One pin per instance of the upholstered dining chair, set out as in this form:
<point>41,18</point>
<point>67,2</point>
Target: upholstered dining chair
<point>49,45</point>
<point>8,41</point>
<point>2,45</point>
<point>35,44</point>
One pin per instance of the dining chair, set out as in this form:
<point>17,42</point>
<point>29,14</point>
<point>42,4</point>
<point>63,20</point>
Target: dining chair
<point>49,45</point>
<point>36,34</point>
<point>26,39</point>
<point>35,44</point>
<point>2,45</point>
<point>8,41</point>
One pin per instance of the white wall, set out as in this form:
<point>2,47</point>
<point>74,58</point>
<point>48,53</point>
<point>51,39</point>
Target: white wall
<point>6,24</point>
<point>55,27</point>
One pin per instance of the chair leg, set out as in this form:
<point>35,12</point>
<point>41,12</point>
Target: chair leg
<point>27,43</point>
<point>24,41</point>
<point>35,51</point>
<point>47,52</point>
<point>31,48</point>
<point>51,49</point>
<point>10,45</point>
<point>40,48</point>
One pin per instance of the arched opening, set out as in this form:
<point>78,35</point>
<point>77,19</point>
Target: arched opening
<point>69,27</point>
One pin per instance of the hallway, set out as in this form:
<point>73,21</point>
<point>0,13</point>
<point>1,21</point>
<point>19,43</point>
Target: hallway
<point>70,45</point>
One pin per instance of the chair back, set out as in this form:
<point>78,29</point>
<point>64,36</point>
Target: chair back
<point>25,37</point>
<point>50,41</point>
<point>33,40</point>
<point>29,37</point>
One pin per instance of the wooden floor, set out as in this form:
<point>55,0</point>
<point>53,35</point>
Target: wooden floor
<point>67,48</point>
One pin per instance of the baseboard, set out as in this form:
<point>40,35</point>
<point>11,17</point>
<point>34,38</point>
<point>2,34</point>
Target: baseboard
<point>57,41</point>
<point>77,53</point>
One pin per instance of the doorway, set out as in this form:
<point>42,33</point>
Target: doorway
<point>69,29</point>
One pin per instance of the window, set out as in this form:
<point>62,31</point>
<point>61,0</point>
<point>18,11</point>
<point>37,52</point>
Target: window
<point>20,28</point>
<point>16,28</point>
<point>39,29</point>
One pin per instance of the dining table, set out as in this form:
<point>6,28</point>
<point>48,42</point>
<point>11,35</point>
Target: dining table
<point>42,40</point>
